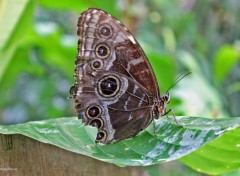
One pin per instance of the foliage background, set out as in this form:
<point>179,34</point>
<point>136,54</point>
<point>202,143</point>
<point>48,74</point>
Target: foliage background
<point>38,45</point>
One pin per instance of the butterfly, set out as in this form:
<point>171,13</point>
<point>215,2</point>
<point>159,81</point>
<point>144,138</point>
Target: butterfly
<point>116,89</point>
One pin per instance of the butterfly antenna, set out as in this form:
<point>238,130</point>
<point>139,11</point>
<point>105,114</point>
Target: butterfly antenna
<point>179,78</point>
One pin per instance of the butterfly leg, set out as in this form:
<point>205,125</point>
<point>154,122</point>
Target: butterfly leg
<point>154,128</point>
<point>154,124</point>
<point>166,114</point>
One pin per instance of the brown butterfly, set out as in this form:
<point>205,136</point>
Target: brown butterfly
<point>116,89</point>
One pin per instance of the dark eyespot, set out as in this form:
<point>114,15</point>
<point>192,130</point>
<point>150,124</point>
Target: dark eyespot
<point>101,136</point>
<point>96,123</point>
<point>102,51</point>
<point>105,31</point>
<point>93,111</point>
<point>97,64</point>
<point>109,86</point>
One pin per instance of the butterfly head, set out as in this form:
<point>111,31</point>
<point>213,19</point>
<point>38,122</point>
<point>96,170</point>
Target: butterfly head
<point>166,98</point>
<point>160,105</point>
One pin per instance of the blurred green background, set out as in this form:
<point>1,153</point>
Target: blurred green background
<point>38,45</point>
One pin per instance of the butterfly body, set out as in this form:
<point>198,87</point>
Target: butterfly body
<point>116,89</point>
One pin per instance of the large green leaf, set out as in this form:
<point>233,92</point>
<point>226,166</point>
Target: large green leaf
<point>170,142</point>
<point>15,19</point>
<point>219,156</point>
<point>9,21</point>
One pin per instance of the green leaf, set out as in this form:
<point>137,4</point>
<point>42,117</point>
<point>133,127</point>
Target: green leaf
<point>80,5</point>
<point>226,57</point>
<point>219,156</point>
<point>9,20</point>
<point>13,26</point>
<point>70,4</point>
<point>170,143</point>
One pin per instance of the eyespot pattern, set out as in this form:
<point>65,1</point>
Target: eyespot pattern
<point>105,31</point>
<point>109,86</point>
<point>97,122</point>
<point>102,51</point>
<point>93,111</point>
<point>101,136</point>
<point>97,64</point>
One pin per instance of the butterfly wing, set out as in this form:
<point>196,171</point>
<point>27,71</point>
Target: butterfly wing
<point>115,84</point>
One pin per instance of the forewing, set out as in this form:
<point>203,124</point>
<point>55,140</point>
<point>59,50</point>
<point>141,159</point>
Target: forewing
<point>125,56</point>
